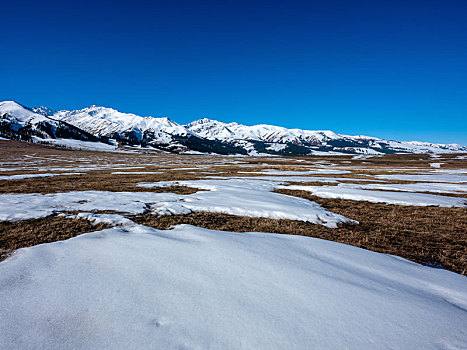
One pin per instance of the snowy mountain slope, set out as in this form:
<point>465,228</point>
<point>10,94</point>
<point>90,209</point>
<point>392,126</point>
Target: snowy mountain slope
<point>311,140</point>
<point>107,122</point>
<point>22,123</point>
<point>20,113</point>
<point>205,135</point>
<point>132,129</point>
<point>213,129</point>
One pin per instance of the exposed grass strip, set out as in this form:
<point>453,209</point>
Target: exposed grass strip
<point>26,233</point>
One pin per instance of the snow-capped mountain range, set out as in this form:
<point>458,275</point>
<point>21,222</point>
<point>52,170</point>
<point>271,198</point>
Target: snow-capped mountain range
<point>106,125</point>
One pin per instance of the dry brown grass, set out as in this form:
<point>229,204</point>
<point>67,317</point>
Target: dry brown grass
<point>94,181</point>
<point>86,184</point>
<point>26,233</point>
<point>390,161</point>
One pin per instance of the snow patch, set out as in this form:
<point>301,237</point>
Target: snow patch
<point>136,172</point>
<point>455,178</point>
<point>352,192</point>
<point>77,144</point>
<point>29,176</point>
<point>284,172</point>
<point>95,219</point>
<point>243,197</point>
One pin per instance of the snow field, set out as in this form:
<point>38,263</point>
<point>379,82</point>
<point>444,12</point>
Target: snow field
<point>192,288</point>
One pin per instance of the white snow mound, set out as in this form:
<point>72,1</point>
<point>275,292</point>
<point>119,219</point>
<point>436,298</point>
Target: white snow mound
<point>191,288</point>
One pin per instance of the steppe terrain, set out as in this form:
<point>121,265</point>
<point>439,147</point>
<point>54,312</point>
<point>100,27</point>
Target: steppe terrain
<point>415,228</point>
<point>151,250</point>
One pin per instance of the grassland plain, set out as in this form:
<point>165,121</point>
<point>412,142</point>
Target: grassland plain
<point>434,236</point>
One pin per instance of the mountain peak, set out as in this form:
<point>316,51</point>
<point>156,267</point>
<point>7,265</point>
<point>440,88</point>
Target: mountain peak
<point>10,104</point>
<point>18,111</point>
<point>45,111</point>
<point>205,121</point>
<point>165,119</point>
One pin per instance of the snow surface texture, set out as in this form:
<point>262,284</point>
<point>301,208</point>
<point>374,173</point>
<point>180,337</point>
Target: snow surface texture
<point>35,205</point>
<point>135,287</point>
<point>355,192</point>
<point>243,197</point>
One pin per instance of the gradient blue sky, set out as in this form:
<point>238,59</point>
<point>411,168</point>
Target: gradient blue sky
<point>392,69</point>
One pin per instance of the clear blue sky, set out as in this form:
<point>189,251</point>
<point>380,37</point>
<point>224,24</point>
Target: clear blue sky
<point>392,69</point>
